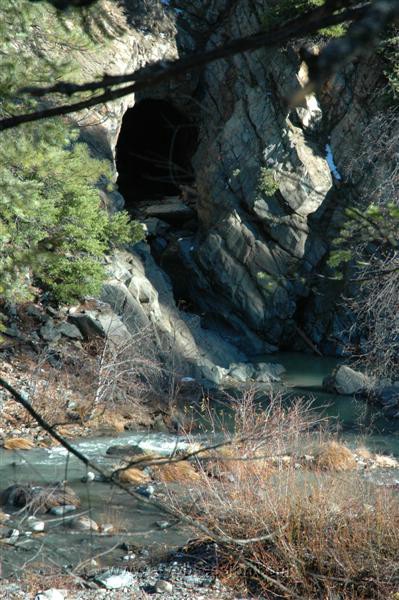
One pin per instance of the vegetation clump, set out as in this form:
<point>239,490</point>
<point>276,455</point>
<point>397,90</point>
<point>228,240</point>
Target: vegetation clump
<point>53,228</point>
<point>285,523</point>
<point>283,10</point>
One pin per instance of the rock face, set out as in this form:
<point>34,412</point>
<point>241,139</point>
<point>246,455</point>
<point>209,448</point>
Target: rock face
<point>266,195</point>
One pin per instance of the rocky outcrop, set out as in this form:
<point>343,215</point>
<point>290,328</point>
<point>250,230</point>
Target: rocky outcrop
<point>267,194</point>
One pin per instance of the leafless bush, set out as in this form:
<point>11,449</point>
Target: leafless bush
<point>286,523</point>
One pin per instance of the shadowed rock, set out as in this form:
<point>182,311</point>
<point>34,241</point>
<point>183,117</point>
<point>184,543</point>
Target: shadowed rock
<point>39,498</point>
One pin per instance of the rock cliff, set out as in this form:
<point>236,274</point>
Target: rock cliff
<point>246,262</point>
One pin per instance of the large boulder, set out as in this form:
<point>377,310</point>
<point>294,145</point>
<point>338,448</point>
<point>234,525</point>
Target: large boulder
<point>346,381</point>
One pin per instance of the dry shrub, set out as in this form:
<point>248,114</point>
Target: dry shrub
<point>179,472</point>
<point>133,476</point>
<point>286,531</point>
<point>333,456</point>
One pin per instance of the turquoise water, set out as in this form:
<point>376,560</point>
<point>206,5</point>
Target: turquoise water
<point>357,420</point>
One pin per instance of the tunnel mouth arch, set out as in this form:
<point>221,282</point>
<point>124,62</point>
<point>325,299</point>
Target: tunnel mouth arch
<point>154,150</point>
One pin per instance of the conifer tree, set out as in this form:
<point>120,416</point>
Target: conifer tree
<point>53,230</point>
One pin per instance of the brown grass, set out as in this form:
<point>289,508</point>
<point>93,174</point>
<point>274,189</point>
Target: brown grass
<point>18,444</point>
<point>332,533</point>
<point>133,476</point>
<point>180,472</point>
<point>332,456</point>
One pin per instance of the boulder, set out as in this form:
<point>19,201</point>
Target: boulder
<point>69,330</point>
<point>268,372</point>
<point>241,371</point>
<point>125,450</point>
<point>346,381</point>
<point>49,332</point>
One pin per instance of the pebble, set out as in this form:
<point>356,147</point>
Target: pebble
<point>12,536</point>
<point>163,587</point>
<point>62,510</point>
<point>162,524</point>
<point>35,524</point>
<point>90,476</point>
<point>115,580</point>
<point>51,594</point>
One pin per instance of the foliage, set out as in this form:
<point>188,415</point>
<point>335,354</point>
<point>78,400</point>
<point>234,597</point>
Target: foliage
<point>284,10</point>
<point>51,223</point>
<point>267,183</point>
<point>366,232</point>
<point>390,52</point>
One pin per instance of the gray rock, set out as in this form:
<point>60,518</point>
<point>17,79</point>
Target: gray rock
<point>51,594</point>
<point>49,332</point>
<point>268,372</point>
<point>35,524</point>
<point>116,579</point>
<point>163,587</point>
<point>125,450</point>
<point>62,510</point>
<point>69,330</point>
<point>347,381</point>
<point>241,371</point>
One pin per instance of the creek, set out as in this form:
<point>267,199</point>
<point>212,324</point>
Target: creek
<point>136,522</point>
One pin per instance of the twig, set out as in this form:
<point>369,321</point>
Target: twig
<point>153,75</point>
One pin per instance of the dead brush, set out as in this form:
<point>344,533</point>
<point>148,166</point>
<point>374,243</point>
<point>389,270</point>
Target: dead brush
<point>286,531</point>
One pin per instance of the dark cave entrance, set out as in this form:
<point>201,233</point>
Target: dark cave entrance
<point>154,151</point>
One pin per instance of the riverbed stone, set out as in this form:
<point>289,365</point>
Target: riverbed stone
<point>163,587</point>
<point>83,523</point>
<point>51,594</point>
<point>116,579</point>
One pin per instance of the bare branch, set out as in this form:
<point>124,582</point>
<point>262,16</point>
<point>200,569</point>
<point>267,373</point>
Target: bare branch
<point>155,74</point>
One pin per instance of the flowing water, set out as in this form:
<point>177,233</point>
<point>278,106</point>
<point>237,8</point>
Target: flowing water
<point>137,523</point>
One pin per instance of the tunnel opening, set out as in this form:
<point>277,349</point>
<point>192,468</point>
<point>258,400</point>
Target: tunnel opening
<point>154,151</point>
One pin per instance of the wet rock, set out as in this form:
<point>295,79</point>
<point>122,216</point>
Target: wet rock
<point>346,381</point>
<point>35,524</point>
<point>388,396</point>
<point>12,536</point>
<point>125,450</point>
<point>83,523</point>
<point>116,579</point>
<point>162,524</point>
<point>90,476</point>
<point>146,490</point>
<point>63,510</point>
<point>39,498</point>
<point>163,587</point>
